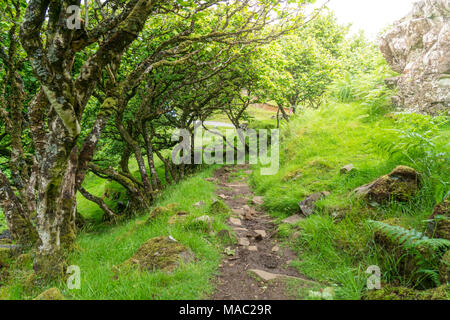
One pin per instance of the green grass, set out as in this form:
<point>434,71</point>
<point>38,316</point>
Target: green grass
<point>108,246</point>
<point>3,225</point>
<point>315,145</point>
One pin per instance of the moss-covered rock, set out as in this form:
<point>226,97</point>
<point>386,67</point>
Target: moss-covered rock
<point>399,185</point>
<point>219,207</point>
<point>401,293</point>
<point>161,253</point>
<point>444,268</point>
<point>50,294</point>
<point>439,221</point>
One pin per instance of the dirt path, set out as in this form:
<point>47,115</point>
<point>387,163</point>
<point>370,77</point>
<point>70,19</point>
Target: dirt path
<point>259,266</point>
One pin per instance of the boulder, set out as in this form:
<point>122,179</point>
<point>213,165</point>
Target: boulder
<point>50,294</point>
<point>161,253</point>
<point>308,205</point>
<point>399,185</point>
<point>418,47</point>
<point>439,221</point>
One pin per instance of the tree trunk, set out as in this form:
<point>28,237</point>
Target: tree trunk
<point>19,223</point>
<point>156,182</point>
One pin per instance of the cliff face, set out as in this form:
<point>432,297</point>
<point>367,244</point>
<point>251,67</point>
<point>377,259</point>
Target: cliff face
<point>418,47</point>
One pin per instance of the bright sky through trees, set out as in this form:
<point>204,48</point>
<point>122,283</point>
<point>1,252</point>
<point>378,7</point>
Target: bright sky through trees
<point>369,15</point>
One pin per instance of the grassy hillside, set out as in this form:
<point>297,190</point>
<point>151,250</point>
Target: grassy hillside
<point>315,145</point>
<point>335,245</point>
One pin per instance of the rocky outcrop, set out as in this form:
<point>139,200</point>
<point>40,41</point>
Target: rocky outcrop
<point>418,47</point>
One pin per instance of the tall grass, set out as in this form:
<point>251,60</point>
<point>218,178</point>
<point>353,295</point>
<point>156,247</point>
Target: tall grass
<point>315,145</point>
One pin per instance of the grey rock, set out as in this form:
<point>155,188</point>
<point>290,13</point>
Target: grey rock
<point>418,47</point>
<point>308,205</point>
<point>235,221</point>
<point>244,242</point>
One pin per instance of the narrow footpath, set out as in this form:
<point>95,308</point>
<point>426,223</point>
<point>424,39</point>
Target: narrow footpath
<point>259,267</point>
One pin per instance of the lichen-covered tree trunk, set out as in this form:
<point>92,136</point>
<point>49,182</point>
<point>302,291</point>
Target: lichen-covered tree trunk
<point>56,200</point>
<point>57,110</point>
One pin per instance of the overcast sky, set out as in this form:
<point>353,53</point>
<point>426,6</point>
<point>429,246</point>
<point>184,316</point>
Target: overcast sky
<point>369,15</point>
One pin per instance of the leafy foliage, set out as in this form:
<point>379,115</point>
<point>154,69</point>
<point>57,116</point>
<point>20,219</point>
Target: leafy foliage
<point>426,251</point>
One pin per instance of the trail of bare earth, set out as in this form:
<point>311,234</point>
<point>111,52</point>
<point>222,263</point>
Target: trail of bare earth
<point>260,266</point>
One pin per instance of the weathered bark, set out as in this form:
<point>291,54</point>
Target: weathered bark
<point>57,153</point>
<point>138,199</point>
<point>134,146</point>
<point>156,182</point>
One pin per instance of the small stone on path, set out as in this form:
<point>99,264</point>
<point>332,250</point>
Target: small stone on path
<point>244,242</point>
<point>262,233</point>
<point>258,201</point>
<point>235,221</point>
